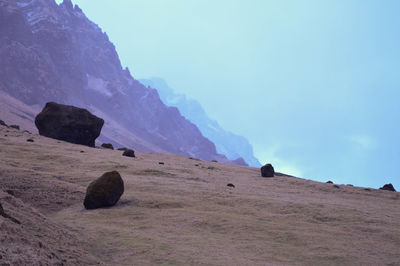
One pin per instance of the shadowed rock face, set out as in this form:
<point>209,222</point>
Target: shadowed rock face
<point>69,123</point>
<point>267,171</point>
<point>104,191</point>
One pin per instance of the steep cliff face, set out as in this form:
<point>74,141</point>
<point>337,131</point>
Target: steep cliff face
<point>233,146</point>
<point>51,52</point>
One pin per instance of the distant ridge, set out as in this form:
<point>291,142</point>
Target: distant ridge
<point>233,146</point>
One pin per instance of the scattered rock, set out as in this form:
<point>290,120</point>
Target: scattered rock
<point>2,123</point>
<point>161,163</point>
<point>104,191</point>
<point>230,185</point>
<point>5,215</point>
<point>329,182</point>
<point>129,153</point>
<point>69,123</point>
<point>30,140</point>
<point>350,185</point>
<point>191,158</point>
<point>211,168</point>
<point>82,151</point>
<point>123,149</point>
<point>10,192</point>
<point>107,146</point>
<point>388,187</point>
<point>15,127</point>
<point>367,189</point>
<point>336,186</point>
<point>214,161</point>
<point>267,170</point>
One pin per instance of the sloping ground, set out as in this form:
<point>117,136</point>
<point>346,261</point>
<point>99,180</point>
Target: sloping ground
<point>182,212</point>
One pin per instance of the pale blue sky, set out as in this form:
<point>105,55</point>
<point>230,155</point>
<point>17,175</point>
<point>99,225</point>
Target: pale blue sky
<point>313,85</point>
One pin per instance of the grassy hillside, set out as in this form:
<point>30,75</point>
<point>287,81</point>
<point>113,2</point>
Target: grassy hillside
<point>182,212</point>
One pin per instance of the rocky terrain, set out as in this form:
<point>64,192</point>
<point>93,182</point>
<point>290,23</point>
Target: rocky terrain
<point>179,211</point>
<point>233,146</point>
<point>51,52</point>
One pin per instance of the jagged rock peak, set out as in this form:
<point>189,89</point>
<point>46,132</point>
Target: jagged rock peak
<point>67,4</point>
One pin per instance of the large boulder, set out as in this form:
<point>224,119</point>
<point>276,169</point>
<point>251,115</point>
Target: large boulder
<point>69,123</point>
<point>388,187</point>
<point>104,191</point>
<point>267,170</point>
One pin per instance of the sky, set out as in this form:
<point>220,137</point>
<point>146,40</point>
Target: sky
<point>313,85</point>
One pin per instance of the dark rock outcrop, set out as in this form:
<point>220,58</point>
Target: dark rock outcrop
<point>69,123</point>
<point>30,140</point>
<point>2,123</point>
<point>267,170</point>
<point>14,127</point>
<point>104,191</point>
<point>329,182</point>
<point>230,185</point>
<point>388,187</point>
<point>129,153</point>
<point>107,146</point>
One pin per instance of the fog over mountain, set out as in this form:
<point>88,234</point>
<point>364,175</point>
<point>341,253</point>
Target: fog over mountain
<point>231,145</point>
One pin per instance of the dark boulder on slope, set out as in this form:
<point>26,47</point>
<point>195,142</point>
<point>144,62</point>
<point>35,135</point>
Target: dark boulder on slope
<point>2,123</point>
<point>69,123</point>
<point>107,146</point>
<point>104,191</point>
<point>129,153</point>
<point>267,170</point>
<point>388,187</point>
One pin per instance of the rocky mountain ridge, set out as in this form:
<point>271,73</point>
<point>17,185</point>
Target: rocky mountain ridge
<point>233,146</point>
<point>51,52</point>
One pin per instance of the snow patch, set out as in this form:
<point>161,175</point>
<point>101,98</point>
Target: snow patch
<point>99,85</point>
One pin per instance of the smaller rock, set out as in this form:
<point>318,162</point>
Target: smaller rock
<point>104,191</point>
<point>122,149</point>
<point>214,161</point>
<point>15,127</point>
<point>336,186</point>
<point>230,185</point>
<point>367,189</point>
<point>211,168</point>
<point>82,151</point>
<point>388,187</point>
<point>129,153</point>
<point>350,185</point>
<point>30,140</point>
<point>267,170</point>
<point>329,182</point>
<point>107,146</point>
<point>2,123</point>
<point>161,163</point>
<point>9,191</point>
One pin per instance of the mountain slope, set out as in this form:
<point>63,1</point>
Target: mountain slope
<point>227,143</point>
<point>51,52</point>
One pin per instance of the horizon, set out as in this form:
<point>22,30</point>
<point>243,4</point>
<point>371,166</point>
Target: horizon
<point>303,80</point>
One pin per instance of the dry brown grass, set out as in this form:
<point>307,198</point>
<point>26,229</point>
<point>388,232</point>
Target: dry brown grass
<point>182,212</point>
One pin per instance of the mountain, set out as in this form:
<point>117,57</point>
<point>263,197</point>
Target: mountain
<point>51,52</point>
<point>234,147</point>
